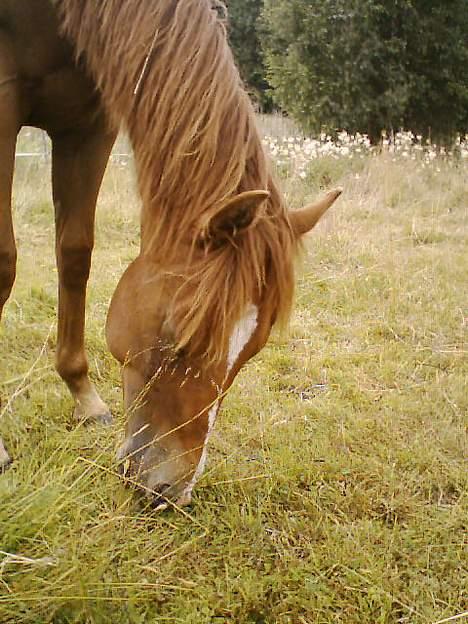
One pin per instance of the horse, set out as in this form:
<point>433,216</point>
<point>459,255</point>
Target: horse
<point>215,270</point>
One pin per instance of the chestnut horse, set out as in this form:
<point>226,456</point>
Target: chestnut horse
<point>215,269</point>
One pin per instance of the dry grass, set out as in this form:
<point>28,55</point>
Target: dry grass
<point>336,484</point>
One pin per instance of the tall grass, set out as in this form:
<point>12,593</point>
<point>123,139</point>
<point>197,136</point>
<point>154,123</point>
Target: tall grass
<point>336,485</point>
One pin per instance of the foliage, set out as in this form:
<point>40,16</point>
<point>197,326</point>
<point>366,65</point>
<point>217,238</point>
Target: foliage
<point>244,39</point>
<point>437,65</point>
<point>365,65</point>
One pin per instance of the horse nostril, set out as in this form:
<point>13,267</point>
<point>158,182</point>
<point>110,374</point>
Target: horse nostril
<point>159,501</point>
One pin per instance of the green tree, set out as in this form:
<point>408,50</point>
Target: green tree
<point>366,65</point>
<point>244,39</point>
<point>437,68</point>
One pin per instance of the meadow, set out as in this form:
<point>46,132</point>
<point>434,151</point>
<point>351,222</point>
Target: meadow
<point>336,484</point>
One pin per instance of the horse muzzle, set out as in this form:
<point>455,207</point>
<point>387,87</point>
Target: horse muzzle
<point>160,475</point>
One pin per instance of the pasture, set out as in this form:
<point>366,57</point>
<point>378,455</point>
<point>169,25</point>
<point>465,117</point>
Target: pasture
<point>336,484</point>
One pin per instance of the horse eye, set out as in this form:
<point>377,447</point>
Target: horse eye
<point>180,354</point>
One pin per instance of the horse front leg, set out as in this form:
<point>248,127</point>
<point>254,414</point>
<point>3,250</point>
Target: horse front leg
<point>7,239</point>
<point>79,160</point>
<point>10,123</point>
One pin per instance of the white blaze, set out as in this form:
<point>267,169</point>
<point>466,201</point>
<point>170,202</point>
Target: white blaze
<point>243,332</point>
<point>241,335</point>
<point>187,493</point>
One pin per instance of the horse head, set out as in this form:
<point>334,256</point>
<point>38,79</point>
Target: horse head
<point>173,388</point>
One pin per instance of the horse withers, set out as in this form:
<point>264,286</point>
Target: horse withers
<point>215,269</point>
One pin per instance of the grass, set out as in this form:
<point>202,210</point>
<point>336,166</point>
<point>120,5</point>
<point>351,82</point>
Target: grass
<point>336,485</point>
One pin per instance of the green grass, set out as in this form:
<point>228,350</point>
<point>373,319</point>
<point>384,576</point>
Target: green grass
<point>336,485</point>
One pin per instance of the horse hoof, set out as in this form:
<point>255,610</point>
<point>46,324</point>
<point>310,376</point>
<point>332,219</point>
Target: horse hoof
<point>5,459</point>
<point>105,419</point>
<point>101,418</point>
<point>4,465</point>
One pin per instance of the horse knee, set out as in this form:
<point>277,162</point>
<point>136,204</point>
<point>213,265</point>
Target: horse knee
<point>7,273</point>
<point>71,366</point>
<point>74,263</point>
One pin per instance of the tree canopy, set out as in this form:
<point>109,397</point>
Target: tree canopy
<point>365,65</point>
<point>244,35</point>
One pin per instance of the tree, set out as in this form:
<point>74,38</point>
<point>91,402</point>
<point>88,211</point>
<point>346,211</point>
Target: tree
<point>244,39</point>
<point>368,65</point>
<point>437,66</point>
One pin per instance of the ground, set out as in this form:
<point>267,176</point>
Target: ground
<point>336,485</point>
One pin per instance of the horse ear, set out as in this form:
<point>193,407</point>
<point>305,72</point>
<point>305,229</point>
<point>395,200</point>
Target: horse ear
<point>302,221</point>
<point>235,217</point>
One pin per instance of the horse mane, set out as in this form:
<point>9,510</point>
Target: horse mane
<point>166,72</point>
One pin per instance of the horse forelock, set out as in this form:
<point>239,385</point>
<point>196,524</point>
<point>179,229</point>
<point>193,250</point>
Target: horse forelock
<point>166,73</point>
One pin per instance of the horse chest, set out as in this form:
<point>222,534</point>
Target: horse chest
<point>55,94</point>
<point>59,100</point>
